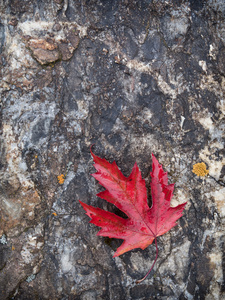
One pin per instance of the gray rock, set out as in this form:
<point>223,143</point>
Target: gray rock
<point>132,78</point>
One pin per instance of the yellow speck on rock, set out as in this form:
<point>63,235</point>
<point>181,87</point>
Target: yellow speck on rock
<point>61,178</point>
<point>54,214</point>
<point>200,169</point>
<point>13,248</point>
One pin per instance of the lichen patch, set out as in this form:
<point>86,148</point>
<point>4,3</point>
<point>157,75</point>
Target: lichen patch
<point>199,169</point>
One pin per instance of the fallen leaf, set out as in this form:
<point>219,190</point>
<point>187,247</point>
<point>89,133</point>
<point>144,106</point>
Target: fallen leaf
<point>143,224</point>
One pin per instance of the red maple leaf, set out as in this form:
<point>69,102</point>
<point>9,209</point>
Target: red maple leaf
<point>143,224</point>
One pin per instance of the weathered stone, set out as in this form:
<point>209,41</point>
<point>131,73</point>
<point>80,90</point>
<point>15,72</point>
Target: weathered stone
<point>132,78</point>
<point>13,21</point>
<point>16,6</point>
<point>48,50</point>
<point>72,36</point>
<point>67,52</point>
<point>44,51</point>
<point>56,27</point>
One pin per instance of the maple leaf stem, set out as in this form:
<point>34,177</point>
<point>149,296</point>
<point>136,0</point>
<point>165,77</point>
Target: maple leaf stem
<point>157,251</point>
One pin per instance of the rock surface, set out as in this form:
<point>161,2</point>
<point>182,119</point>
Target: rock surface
<point>131,77</point>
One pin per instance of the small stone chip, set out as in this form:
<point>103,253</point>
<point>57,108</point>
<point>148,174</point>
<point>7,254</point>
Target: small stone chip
<point>200,169</point>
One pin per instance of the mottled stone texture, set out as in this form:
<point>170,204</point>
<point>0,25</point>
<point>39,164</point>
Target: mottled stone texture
<point>131,77</point>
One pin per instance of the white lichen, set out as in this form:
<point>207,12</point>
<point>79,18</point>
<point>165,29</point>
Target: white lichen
<point>30,278</point>
<point>3,239</point>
